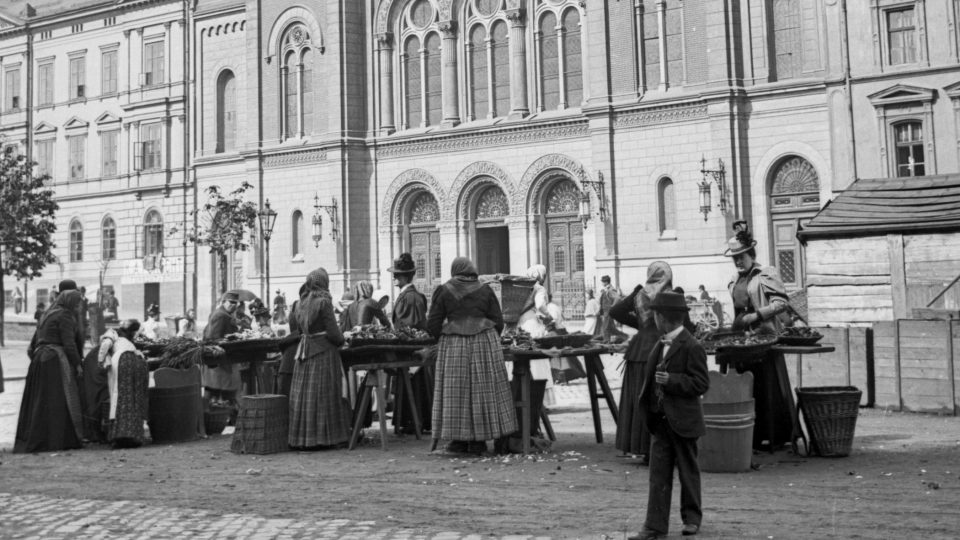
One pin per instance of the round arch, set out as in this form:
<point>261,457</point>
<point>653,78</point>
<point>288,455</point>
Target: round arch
<point>285,20</point>
<point>542,173</point>
<point>470,182</point>
<point>402,187</point>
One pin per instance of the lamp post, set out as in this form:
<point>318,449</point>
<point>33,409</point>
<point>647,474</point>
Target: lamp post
<point>268,217</point>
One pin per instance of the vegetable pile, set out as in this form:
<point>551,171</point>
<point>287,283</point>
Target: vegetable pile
<point>518,340</point>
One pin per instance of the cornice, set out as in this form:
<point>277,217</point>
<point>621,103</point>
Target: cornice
<point>450,141</point>
<point>295,157</point>
<point>663,114</point>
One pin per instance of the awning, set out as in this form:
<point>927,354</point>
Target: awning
<point>889,205</point>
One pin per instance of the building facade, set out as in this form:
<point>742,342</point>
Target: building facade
<point>591,136</point>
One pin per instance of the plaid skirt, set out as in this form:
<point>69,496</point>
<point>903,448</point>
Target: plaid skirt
<point>319,415</point>
<point>471,399</point>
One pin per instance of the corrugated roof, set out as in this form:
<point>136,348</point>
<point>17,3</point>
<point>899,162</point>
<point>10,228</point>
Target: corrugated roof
<point>868,207</point>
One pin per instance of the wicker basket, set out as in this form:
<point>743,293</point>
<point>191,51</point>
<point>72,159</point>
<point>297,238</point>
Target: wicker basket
<point>215,419</point>
<point>830,413</point>
<point>262,425</point>
<point>513,293</point>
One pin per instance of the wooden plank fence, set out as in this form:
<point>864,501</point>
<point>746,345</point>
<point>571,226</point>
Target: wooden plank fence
<point>849,365</point>
<point>917,364</point>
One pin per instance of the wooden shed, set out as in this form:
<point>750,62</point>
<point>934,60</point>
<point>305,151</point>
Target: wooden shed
<point>883,248</point>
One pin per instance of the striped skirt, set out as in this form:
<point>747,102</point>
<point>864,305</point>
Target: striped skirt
<point>133,378</point>
<point>319,415</point>
<point>471,399</point>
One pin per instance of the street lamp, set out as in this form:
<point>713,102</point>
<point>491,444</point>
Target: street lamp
<point>317,220</point>
<point>719,178</point>
<point>267,220</point>
<point>585,210</point>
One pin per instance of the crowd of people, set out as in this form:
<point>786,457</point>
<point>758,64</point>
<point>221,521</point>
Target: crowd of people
<point>464,397</point>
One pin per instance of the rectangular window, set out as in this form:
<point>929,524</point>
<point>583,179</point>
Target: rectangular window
<point>78,77</point>
<point>108,251</point>
<point>108,151</point>
<point>901,36</point>
<point>78,148</point>
<point>45,84</point>
<point>108,74</point>
<point>12,89</point>
<point>908,139</point>
<point>150,142</point>
<point>44,155</point>
<point>152,63</point>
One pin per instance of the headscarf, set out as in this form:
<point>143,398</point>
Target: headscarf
<point>68,301</point>
<point>364,290</point>
<point>315,291</point>
<point>463,280</point>
<point>537,272</point>
<point>659,278</point>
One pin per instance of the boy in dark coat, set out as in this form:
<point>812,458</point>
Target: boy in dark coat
<point>675,378</point>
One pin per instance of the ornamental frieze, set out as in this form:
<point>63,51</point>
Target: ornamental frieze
<point>660,115</point>
<point>453,143</point>
<point>294,158</point>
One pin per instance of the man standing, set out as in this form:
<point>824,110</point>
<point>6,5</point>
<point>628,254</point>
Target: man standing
<point>410,311</point>
<point>675,378</point>
<point>279,308</point>
<point>609,295</point>
<point>222,382</point>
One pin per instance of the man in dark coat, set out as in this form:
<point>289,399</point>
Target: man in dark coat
<point>223,381</point>
<point>410,310</point>
<point>675,378</point>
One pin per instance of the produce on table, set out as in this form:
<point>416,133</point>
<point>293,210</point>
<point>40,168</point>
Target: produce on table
<point>800,331</point>
<point>247,335</point>
<point>407,333</point>
<point>183,353</point>
<point>517,339</point>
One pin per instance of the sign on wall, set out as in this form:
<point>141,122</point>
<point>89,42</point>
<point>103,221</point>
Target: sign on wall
<point>158,270</point>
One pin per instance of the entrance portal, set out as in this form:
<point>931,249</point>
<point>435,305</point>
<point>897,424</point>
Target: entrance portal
<point>493,250</point>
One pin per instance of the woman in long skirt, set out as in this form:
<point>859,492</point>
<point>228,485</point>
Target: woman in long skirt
<point>51,417</point>
<point>127,379</point>
<point>633,435</point>
<point>319,414</point>
<point>472,402</point>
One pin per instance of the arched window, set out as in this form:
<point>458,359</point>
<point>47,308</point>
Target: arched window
<point>296,81</point>
<point>478,73</point>
<point>421,67</point>
<point>500,49</point>
<point>296,234</point>
<point>667,202</point>
<point>432,91</point>
<point>153,234</point>
<point>413,98</point>
<point>226,112</point>
<point>560,59</point>
<point>76,241</point>
<point>108,239</point>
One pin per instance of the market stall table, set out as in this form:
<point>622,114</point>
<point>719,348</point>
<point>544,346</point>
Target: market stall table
<point>786,394</point>
<point>380,362</point>
<point>591,357</point>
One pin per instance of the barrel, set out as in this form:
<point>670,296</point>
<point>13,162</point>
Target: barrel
<point>173,413</point>
<point>728,443</point>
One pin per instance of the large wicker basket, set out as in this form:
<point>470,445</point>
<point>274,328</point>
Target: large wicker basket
<point>513,293</point>
<point>262,425</point>
<point>830,413</point>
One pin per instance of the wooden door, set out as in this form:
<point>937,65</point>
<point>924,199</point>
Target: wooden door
<point>425,249</point>
<point>787,254</point>
<point>565,264</point>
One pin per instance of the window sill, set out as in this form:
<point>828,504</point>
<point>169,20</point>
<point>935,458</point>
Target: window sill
<point>668,235</point>
<point>76,100</point>
<point>298,258</point>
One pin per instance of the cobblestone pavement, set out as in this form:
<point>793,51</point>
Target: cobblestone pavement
<point>47,518</point>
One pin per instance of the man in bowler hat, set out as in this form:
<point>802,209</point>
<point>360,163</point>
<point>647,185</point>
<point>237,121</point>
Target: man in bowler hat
<point>675,378</point>
<point>410,310</point>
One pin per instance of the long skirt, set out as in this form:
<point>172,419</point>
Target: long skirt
<point>633,434</point>
<point>319,414</point>
<point>96,394</point>
<point>133,377</point>
<point>773,401</point>
<point>471,398</point>
<point>50,414</point>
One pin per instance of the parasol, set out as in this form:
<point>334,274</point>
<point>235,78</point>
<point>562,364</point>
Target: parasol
<point>242,294</point>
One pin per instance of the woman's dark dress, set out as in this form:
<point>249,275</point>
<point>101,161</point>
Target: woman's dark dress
<point>96,410</point>
<point>51,417</point>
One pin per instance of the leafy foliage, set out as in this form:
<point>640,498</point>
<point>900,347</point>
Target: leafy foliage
<point>27,221</point>
<point>232,219</point>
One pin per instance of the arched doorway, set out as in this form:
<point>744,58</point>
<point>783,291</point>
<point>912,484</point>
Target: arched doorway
<point>564,247</point>
<point>794,199</point>
<point>493,237</point>
<point>424,241</point>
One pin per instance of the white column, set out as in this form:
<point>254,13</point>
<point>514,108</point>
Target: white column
<point>518,64</point>
<point>448,78</point>
<point>385,52</point>
<point>662,41</point>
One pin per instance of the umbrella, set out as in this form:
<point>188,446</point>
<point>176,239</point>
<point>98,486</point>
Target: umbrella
<point>243,294</point>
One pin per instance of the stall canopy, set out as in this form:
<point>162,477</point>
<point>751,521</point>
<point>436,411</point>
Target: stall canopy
<point>889,205</point>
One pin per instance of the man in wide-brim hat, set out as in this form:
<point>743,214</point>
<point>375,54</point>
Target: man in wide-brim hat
<point>675,378</point>
<point>410,310</point>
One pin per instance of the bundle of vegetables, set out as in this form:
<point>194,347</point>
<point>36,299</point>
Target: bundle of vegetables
<point>183,353</point>
<point>370,334</point>
<point>247,335</point>
<point>517,339</point>
<point>408,335</point>
<point>800,335</point>
<point>150,347</point>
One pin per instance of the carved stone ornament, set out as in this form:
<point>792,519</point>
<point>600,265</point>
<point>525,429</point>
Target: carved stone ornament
<point>660,115</point>
<point>424,209</point>
<point>795,175</point>
<point>403,187</point>
<point>466,182</point>
<point>298,36</point>
<point>509,136</point>
<point>492,203</point>
<point>536,177</point>
<point>563,198</point>
<point>295,158</point>
<point>385,39</point>
<point>516,16</point>
<point>448,29</point>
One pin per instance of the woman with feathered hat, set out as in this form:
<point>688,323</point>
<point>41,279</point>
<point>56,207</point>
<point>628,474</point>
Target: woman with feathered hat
<point>758,298</point>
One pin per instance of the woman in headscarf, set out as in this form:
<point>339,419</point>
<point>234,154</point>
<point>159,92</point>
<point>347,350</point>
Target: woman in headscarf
<point>51,416</point>
<point>127,379</point>
<point>364,310</point>
<point>472,402</point>
<point>319,415</point>
<point>534,319</point>
<point>633,435</point>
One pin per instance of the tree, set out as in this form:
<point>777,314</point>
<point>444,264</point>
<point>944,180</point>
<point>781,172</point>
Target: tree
<point>231,220</point>
<point>26,222</point>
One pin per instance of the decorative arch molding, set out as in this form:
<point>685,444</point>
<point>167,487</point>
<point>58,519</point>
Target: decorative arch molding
<point>542,172</point>
<point>388,10</point>
<point>471,179</point>
<point>772,158</point>
<point>403,186</point>
<point>288,17</point>
<point>793,174</point>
